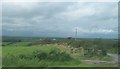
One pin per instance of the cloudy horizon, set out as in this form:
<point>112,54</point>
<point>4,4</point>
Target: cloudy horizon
<point>60,19</point>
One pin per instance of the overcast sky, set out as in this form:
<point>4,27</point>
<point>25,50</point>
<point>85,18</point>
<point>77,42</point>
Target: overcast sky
<point>60,19</point>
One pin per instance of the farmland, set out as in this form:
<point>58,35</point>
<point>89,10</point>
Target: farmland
<point>54,52</point>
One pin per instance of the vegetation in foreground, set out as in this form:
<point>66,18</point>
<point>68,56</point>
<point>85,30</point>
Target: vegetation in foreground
<point>57,52</point>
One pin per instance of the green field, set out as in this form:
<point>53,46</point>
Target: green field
<point>33,52</point>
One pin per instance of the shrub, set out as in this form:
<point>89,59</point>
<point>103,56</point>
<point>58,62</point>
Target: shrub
<point>64,56</point>
<point>9,60</point>
<point>55,54</point>
<point>76,44</point>
<point>40,54</point>
<point>22,56</point>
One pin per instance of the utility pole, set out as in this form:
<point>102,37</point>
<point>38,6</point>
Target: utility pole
<point>75,33</point>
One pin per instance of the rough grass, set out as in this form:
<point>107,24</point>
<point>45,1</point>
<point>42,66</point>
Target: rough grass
<point>28,50</point>
<point>10,55</point>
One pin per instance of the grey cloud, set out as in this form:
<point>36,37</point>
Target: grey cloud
<point>59,18</point>
<point>40,8</point>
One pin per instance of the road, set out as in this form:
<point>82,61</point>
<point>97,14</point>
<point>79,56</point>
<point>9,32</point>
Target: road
<point>114,56</point>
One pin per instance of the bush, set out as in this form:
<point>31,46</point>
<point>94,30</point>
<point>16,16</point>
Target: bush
<point>9,60</point>
<point>22,56</point>
<point>40,54</point>
<point>54,55</point>
<point>76,44</point>
<point>64,56</point>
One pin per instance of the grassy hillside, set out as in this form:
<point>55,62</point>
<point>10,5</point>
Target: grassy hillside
<point>42,52</point>
<point>24,56</point>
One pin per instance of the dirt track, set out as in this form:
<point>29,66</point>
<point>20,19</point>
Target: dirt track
<point>98,62</point>
<point>114,56</point>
